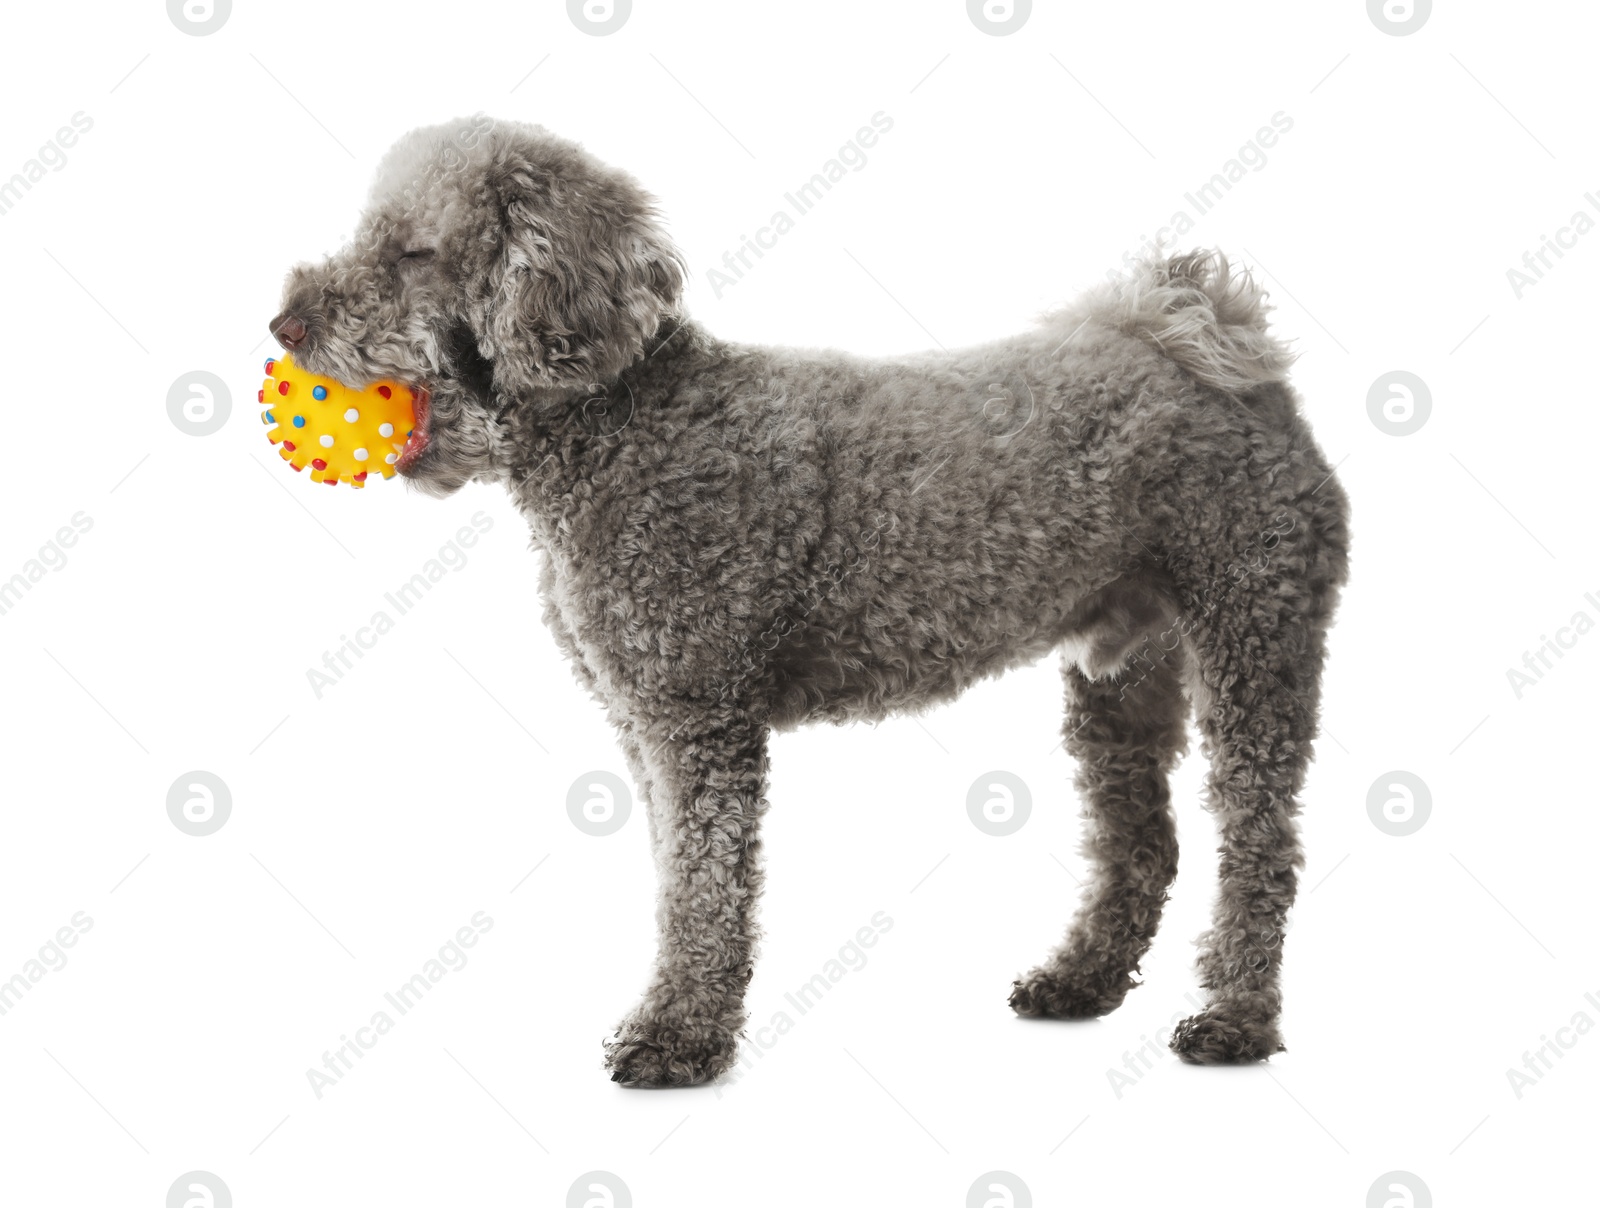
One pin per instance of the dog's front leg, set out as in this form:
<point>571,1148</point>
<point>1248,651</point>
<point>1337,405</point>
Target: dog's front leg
<point>708,790</point>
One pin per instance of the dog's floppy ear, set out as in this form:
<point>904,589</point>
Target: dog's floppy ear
<point>585,275</point>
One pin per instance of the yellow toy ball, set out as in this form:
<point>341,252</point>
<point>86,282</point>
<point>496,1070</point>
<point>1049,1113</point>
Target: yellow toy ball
<point>342,434</point>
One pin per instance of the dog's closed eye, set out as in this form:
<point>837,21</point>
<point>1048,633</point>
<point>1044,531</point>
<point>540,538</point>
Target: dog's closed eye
<point>414,256</point>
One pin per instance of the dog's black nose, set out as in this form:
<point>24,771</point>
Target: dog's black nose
<point>288,330</point>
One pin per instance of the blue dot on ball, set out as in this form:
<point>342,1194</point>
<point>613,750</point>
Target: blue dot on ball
<point>319,392</point>
<point>268,418</point>
<point>299,421</point>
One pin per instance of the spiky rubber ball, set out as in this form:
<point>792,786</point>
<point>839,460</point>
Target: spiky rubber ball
<point>342,434</point>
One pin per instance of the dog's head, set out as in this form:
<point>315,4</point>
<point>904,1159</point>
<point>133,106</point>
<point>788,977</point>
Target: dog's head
<point>496,266</point>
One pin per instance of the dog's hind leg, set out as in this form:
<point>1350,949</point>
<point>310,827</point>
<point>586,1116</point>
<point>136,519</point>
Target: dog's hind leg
<point>1126,732</point>
<point>707,794</point>
<point>1257,668</point>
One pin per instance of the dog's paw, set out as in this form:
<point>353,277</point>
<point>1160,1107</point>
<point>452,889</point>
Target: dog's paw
<point>1069,993</point>
<point>1224,1034</point>
<point>654,1052</point>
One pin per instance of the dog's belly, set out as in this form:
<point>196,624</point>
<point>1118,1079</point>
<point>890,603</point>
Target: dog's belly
<point>868,662</point>
<point>866,665</point>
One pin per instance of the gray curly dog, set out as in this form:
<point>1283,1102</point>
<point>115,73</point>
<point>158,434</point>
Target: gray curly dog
<point>738,539</point>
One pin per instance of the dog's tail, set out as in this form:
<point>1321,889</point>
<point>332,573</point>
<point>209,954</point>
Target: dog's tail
<point>1205,316</point>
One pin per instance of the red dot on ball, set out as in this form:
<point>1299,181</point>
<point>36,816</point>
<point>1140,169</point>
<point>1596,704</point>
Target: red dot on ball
<point>361,477</point>
<point>283,387</point>
<point>261,396</point>
<point>289,445</point>
<point>318,464</point>
<point>384,391</point>
<point>332,482</point>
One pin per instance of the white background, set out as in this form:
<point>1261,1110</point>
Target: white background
<point>370,824</point>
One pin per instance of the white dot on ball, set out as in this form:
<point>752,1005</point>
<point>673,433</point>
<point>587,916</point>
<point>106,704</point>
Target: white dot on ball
<point>385,429</point>
<point>351,416</point>
<point>391,459</point>
<point>360,455</point>
<point>325,441</point>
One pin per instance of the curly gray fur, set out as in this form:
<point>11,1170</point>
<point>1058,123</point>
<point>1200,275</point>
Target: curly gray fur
<point>740,539</point>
